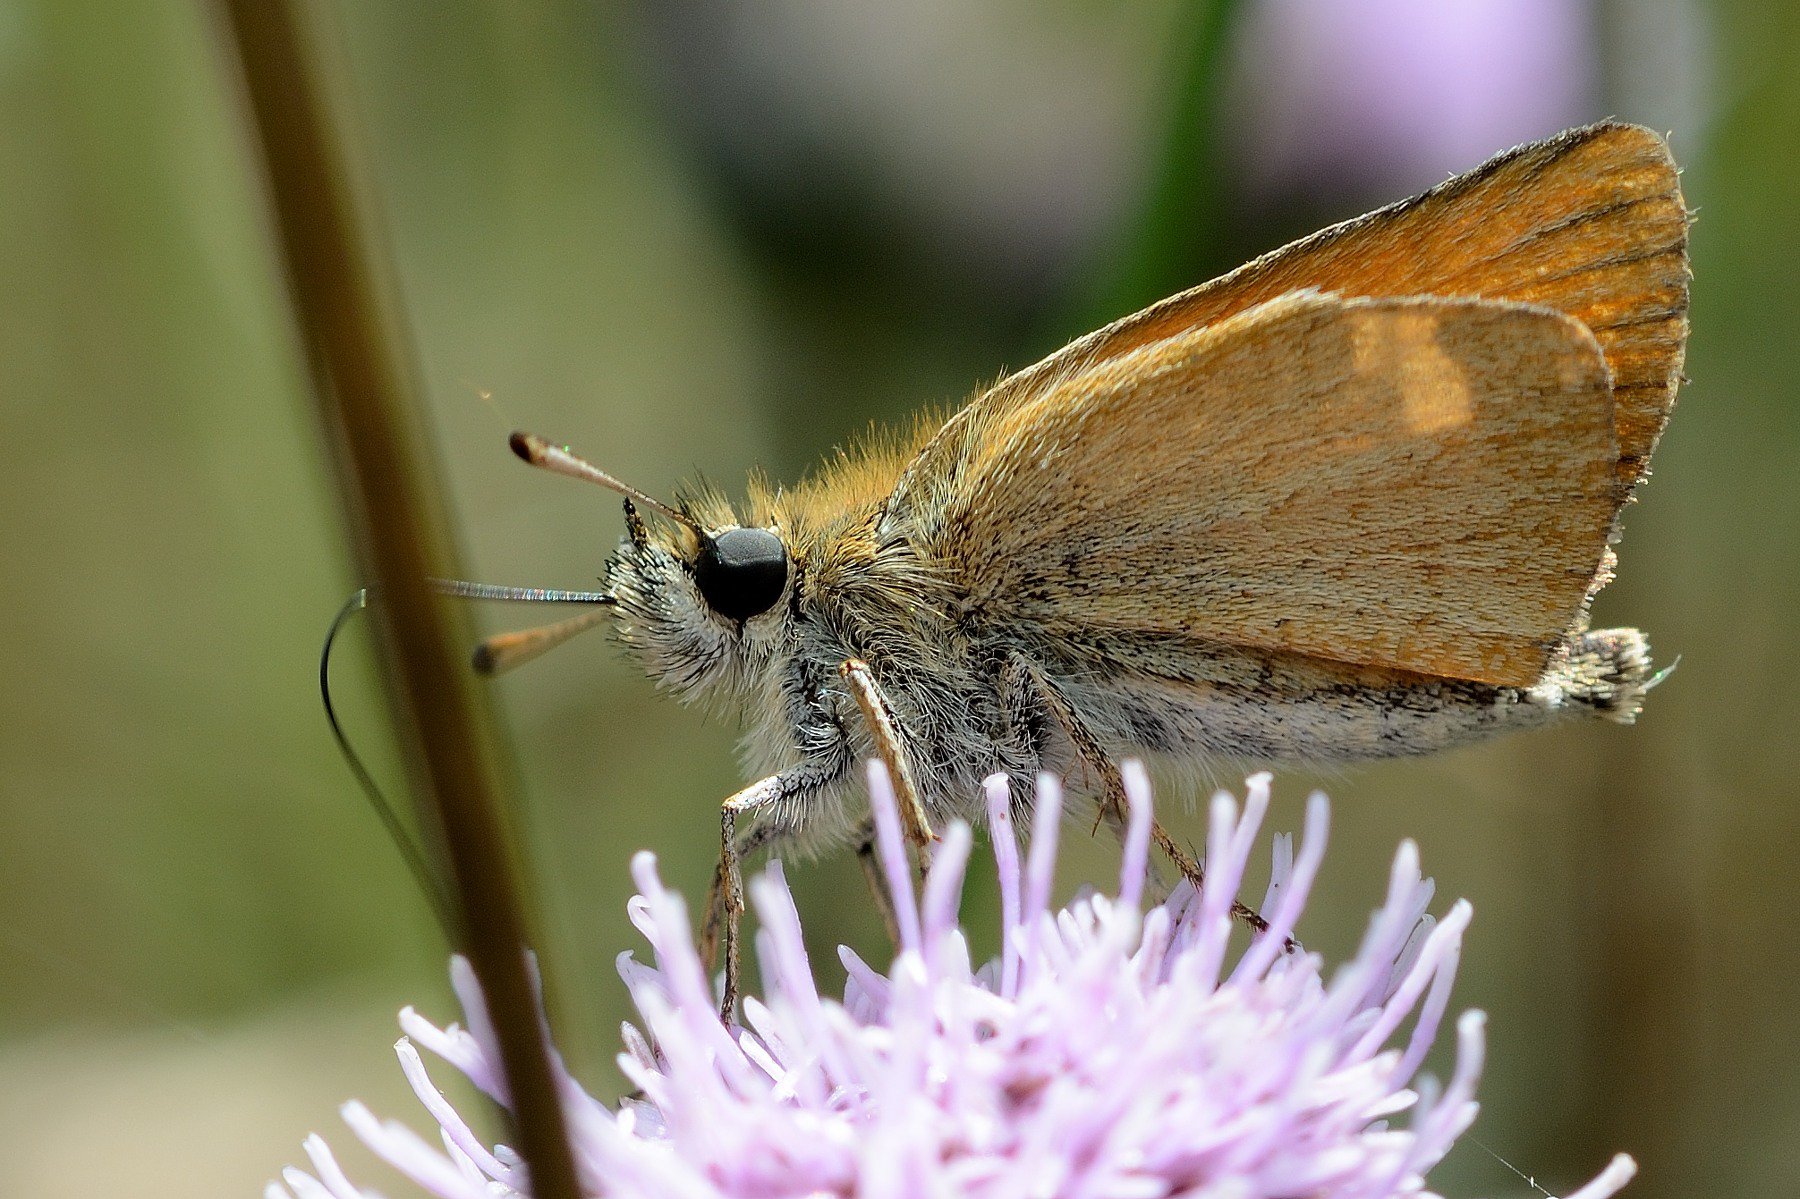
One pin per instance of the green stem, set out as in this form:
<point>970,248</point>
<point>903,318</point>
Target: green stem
<point>366,388</point>
<point>1172,242</point>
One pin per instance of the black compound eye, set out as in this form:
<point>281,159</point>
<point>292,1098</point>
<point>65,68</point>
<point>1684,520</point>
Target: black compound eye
<point>741,572</point>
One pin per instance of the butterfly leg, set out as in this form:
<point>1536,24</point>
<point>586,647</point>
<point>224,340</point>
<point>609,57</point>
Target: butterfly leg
<point>721,916</point>
<point>1095,762</point>
<point>1095,759</point>
<point>870,862</point>
<point>725,897</point>
<point>890,744</point>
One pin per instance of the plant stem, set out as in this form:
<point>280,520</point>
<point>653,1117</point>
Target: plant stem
<point>366,388</point>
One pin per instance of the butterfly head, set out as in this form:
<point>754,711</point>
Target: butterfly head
<point>701,598</point>
<point>704,603</point>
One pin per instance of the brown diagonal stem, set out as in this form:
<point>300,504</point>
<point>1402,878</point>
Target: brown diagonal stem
<point>365,383</point>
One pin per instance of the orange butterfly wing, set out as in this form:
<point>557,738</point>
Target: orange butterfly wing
<point>1425,484</point>
<point>1589,224</point>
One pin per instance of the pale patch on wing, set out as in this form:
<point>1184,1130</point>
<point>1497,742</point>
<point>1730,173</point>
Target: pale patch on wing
<point>1403,347</point>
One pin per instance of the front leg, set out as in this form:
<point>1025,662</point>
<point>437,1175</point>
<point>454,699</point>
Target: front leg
<point>890,745</point>
<point>725,899</point>
<point>790,789</point>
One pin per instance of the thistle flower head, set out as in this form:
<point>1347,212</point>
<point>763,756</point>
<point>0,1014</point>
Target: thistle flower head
<point>1107,1052</point>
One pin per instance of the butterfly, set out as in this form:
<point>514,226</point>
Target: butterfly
<point>1350,501</point>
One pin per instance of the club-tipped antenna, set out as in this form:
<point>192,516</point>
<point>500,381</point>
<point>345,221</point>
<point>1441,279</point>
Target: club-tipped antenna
<point>504,651</point>
<point>559,460</point>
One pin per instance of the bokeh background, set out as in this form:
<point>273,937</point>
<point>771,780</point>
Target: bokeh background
<point>707,235</point>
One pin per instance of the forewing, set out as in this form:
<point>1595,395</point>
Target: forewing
<point>1590,223</point>
<point>1423,484</point>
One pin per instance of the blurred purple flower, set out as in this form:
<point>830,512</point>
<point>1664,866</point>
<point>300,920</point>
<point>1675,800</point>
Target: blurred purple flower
<point>1390,96</point>
<point>1106,1052</point>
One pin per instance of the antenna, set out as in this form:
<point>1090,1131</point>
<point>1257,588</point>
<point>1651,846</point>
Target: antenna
<point>463,589</point>
<point>504,651</point>
<point>562,461</point>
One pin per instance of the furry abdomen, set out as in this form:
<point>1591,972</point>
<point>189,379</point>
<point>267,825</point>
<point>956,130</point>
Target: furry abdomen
<point>1199,704</point>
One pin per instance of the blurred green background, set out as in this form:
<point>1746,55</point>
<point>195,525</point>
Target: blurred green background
<point>710,235</point>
